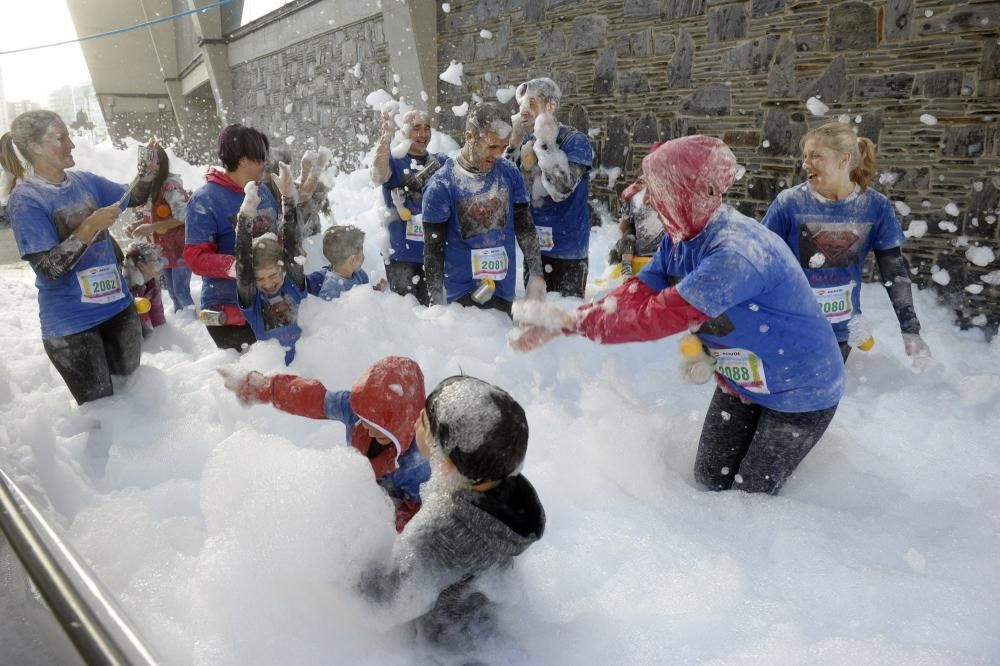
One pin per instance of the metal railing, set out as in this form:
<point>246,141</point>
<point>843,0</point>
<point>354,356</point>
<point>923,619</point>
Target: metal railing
<point>88,614</point>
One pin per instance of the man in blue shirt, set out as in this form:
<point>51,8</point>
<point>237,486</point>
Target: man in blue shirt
<point>554,160</point>
<point>474,208</point>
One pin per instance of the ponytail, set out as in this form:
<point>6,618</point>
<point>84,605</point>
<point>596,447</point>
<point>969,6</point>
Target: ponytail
<point>9,159</point>
<point>864,171</point>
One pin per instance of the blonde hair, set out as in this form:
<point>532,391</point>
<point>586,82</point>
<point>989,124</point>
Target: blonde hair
<point>29,127</point>
<point>842,138</point>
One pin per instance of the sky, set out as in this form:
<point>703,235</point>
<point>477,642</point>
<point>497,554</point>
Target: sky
<point>35,74</point>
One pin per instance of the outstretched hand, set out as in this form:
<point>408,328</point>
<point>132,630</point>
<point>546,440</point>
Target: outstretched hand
<point>283,181</point>
<point>251,387</point>
<point>251,199</point>
<point>529,337</point>
<point>918,350</point>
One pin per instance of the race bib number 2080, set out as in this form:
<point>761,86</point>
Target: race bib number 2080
<point>835,302</point>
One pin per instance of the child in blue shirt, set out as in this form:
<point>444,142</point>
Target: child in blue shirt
<point>343,247</point>
<point>270,282</point>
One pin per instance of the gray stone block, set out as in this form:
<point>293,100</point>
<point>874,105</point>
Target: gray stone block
<point>809,43</point>
<point>781,76</point>
<point>781,133</point>
<point>910,180</point>
<point>679,69</point>
<point>715,99</point>
<point>641,9</point>
<point>832,84</point>
<point>534,11</point>
<point>551,42</point>
<point>884,86</point>
<point>589,32</point>
<point>632,81</point>
<point>898,19</point>
<point>517,59</point>
<point>870,126</point>
<point>676,9</point>
<point>752,57</point>
<point>647,129</point>
<point>939,83</point>
<point>640,44</point>
<point>964,141</point>
<point>853,26</point>
<point>617,147</point>
<point>727,23</point>
<point>579,118</point>
<point>762,188</point>
<point>487,10</point>
<point>969,18</point>
<point>566,80</point>
<point>663,44</point>
<point>675,128</point>
<point>989,68</point>
<point>606,72</point>
<point>766,7</point>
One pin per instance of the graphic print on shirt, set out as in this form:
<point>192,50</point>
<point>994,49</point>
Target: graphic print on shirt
<point>839,243</point>
<point>718,327</point>
<point>68,218</point>
<point>278,311</point>
<point>482,213</point>
<point>263,222</point>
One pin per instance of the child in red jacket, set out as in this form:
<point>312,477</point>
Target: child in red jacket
<point>143,270</point>
<point>380,412</point>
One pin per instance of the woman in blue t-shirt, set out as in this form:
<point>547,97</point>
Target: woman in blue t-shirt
<point>89,328</point>
<point>832,221</point>
<point>740,291</point>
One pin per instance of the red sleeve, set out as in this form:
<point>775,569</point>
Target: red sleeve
<point>635,312</point>
<point>298,395</point>
<point>156,315</point>
<point>204,259</point>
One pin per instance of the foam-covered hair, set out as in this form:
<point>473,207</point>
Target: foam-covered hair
<point>543,87</point>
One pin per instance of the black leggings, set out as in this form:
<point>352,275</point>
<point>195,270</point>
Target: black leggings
<point>232,337</point>
<point>86,360</point>
<point>760,446</point>
<point>564,276</point>
<point>400,276</point>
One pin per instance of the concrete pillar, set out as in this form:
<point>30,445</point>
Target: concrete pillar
<point>411,39</point>
<point>214,54</point>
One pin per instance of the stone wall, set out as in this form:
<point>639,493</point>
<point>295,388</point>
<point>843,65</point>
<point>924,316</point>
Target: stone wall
<point>638,71</point>
<point>310,93</point>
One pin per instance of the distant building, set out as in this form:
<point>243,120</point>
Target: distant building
<point>14,109</point>
<point>69,101</point>
<point>4,120</point>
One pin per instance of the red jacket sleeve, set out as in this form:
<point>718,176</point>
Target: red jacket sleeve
<point>156,315</point>
<point>204,259</point>
<point>635,312</point>
<point>298,395</point>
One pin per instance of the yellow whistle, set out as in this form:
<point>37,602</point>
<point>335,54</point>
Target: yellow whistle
<point>690,345</point>
<point>142,305</point>
<point>405,214</point>
<point>867,344</point>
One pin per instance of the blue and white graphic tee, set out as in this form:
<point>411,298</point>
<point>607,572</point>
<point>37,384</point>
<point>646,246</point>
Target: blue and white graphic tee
<point>276,316</point>
<point>406,238</point>
<point>328,285</point>
<point>831,240</point>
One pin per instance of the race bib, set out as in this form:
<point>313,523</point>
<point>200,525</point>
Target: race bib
<point>415,229</point>
<point>545,241</point>
<point>489,262</point>
<point>742,367</point>
<point>835,302</point>
<point>100,284</point>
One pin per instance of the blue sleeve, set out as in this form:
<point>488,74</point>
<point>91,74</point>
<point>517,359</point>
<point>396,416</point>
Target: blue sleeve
<point>363,278</point>
<point>519,192</point>
<point>578,149</point>
<point>33,227</point>
<point>721,280</point>
<point>314,281</point>
<point>888,232</point>
<point>200,225</point>
<point>776,219</point>
<point>105,191</point>
<point>337,407</point>
<point>655,274</point>
<point>437,199</point>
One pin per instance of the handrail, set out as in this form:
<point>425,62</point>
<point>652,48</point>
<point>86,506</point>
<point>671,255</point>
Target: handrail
<point>85,610</point>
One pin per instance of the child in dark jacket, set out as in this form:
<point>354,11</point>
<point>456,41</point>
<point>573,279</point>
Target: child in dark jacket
<point>479,513</point>
<point>270,282</point>
<point>379,411</point>
<point>343,247</point>
<point>143,268</point>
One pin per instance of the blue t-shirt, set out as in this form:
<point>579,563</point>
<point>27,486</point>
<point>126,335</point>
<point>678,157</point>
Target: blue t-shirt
<point>211,218</point>
<point>413,468</point>
<point>832,239</point>
<point>276,316</point>
<point>328,285</point>
<point>479,212</point>
<point>564,226</point>
<point>768,337</point>
<point>406,239</point>
<point>43,215</point>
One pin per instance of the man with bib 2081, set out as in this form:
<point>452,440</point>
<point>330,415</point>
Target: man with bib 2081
<point>474,208</point>
<point>554,160</point>
<point>402,172</point>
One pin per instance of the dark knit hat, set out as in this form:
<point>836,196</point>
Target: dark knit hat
<point>479,426</point>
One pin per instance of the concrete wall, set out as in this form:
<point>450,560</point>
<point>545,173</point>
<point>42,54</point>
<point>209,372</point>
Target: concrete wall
<point>638,71</point>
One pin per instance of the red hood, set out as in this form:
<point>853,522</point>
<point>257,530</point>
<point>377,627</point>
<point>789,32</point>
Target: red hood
<point>388,395</point>
<point>685,180</point>
<point>222,178</point>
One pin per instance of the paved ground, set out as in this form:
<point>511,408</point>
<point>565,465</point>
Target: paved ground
<point>8,248</point>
